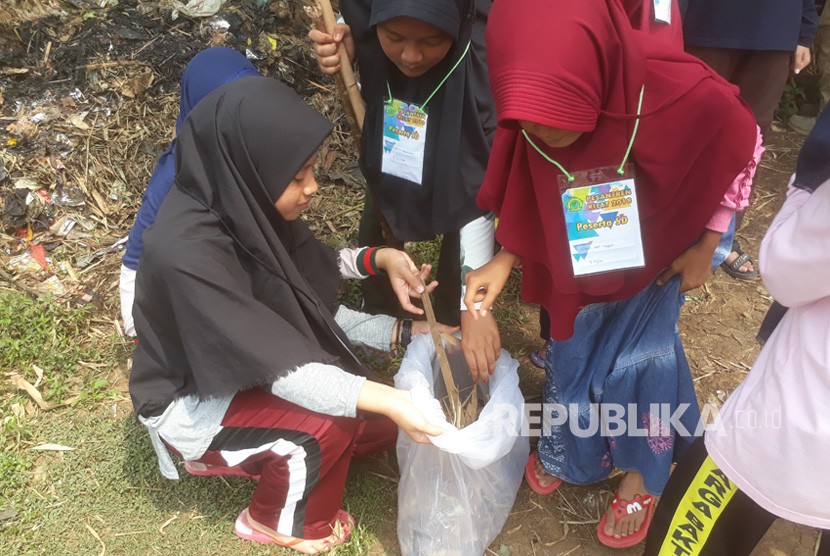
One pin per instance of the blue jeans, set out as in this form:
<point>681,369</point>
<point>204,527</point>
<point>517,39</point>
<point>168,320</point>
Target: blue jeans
<point>725,246</point>
<point>623,355</point>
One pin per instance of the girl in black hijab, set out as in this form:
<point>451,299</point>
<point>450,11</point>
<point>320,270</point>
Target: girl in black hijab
<point>429,53</point>
<point>243,367</point>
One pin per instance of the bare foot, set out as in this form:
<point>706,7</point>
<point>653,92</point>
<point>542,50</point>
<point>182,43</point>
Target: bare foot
<point>306,546</point>
<point>630,486</point>
<point>746,267</point>
<point>538,357</point>
<point>545,479</point>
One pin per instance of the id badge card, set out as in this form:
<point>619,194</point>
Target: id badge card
<point>404,140</point>
<point>602,220</point>
<point>662,10</point>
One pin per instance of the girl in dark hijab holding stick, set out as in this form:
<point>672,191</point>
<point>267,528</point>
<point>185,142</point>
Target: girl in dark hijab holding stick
<point>243,365</point>
<point>429,124</point>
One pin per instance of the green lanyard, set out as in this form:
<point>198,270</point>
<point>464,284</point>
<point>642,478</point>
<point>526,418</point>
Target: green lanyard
<point>441,84</point>
<point>620,170</point>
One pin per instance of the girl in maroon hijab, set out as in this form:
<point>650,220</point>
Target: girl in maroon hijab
<point>613,173</point>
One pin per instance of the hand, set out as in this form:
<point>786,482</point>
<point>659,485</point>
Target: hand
<point>422,327</point>
<point>481,343</point>
<point>398,406</point>
<point>485,283</point>
<point>326,47</point>
<point>694,265</point>
<point>801,59</point>
<point>407,281</point>
<point>411,421</point>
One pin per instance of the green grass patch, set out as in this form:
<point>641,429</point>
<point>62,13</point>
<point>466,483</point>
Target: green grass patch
<point>74,358</point>
<point>110,483</point>
<point>46,333</point>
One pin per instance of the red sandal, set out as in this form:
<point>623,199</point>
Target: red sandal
<point>622,508</point>
<point>533,480</point>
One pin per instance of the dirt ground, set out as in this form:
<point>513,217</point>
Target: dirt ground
<point>88,97</point>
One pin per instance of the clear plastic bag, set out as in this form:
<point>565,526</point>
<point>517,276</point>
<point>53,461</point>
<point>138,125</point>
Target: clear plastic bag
<point>455,494</point>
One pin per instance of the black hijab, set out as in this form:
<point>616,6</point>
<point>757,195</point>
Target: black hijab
<point>811,170</point>
<point>229,295</point>
<point>461,115</point>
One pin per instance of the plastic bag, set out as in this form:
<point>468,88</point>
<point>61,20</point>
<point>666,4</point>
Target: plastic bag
<point>455,494</point>
<point>196,8</point>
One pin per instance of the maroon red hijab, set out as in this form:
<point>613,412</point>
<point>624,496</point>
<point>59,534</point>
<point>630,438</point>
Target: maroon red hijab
<point>580,66</point>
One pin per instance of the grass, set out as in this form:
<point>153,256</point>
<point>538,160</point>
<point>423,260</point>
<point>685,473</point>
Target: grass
<point>42,333</point>
<point>110,484</point>
<point>42,336</point>
<point>106,493</point>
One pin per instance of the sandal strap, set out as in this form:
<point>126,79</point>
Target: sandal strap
<point>742,259</point>
<point>277,541</point>
<point>622,508</point>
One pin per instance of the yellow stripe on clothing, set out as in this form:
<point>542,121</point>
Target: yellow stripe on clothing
<point>699,509</point>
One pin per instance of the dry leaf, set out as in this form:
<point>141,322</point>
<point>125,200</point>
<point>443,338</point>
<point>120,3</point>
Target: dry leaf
<point>23,127</point>
<point>23,384</point>
<point>142,81</point>
<point>331,156</point>
<point>77,120</point>
<point>50,447</point>
<point>97,538</point>
<point>18,411</point>
<point>26,183</point>
<point>103,206</point>
<point>39,373</point>
<point>168,522</point>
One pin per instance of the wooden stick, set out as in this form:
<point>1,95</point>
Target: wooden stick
<point>473,405</point>
<point>346,70</point>
<point>11,280</point>
<point>450,339</point>
<point>443,362</point>
<point>113,64</point>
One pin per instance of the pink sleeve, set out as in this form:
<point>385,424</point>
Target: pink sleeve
<point>736,197</point>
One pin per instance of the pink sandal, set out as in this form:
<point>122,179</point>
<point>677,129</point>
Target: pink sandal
<point>242,529</point>
<point>533,480</point>
<point>622,508</point>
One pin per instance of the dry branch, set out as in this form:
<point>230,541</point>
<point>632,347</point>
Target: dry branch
<point>443,362</point>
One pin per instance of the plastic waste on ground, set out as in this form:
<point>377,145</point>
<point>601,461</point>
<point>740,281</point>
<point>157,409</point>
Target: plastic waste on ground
<point>196,8</point>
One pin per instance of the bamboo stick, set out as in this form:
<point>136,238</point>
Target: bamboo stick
<point>443,362</point>
<point>349,82</point>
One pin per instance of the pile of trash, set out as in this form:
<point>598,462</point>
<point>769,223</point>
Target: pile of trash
<point>88,100</point>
